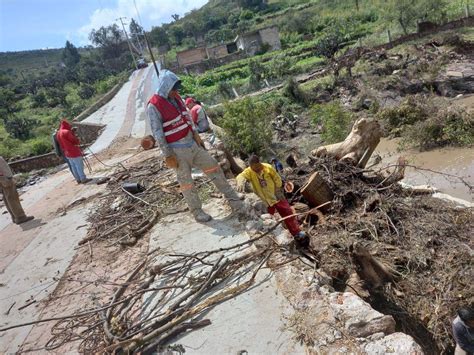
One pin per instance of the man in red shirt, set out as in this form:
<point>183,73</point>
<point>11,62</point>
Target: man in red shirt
<point>69,144</point>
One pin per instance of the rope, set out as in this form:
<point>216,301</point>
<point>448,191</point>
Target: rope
<point>116,164</point>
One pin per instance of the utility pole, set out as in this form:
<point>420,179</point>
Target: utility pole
<point>128,41</point>
<point>147,42</point>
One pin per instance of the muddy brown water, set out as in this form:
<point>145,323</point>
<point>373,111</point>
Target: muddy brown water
<point>454,161</point>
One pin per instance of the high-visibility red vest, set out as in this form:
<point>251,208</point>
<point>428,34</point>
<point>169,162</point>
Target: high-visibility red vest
<point>195,113</point>
<point>176,124</point>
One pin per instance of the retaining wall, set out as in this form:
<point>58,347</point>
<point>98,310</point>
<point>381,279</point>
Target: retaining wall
<point>87,133</point>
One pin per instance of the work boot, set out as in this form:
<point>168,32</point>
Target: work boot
<point>301,240</point>
<point>24,219</point>
<point>86,180</point>
<point>201,216</point>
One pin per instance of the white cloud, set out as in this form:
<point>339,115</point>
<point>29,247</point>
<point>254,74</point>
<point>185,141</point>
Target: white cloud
<point>152,12</point>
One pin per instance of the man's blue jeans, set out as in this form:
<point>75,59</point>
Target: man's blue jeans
<point>77,168</point>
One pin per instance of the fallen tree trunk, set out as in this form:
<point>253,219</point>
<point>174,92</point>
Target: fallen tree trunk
<point>358,145</point>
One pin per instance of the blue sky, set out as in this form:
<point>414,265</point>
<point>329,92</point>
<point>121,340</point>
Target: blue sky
<point>37,24</point>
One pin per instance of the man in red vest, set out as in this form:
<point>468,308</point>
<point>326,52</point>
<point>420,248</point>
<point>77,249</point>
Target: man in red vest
<point>198,115</point>
<point>182,147</point>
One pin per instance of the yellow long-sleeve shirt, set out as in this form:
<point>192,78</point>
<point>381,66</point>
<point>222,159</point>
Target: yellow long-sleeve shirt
<point>267,177</point>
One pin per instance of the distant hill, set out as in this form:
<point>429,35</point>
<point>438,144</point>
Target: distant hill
<point>31,62</point>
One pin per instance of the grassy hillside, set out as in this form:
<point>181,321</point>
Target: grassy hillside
<point>32,62</point>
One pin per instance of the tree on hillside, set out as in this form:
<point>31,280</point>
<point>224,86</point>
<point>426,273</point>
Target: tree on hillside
<point>158,36</point>
<point>175,17</point>
<point>70,55</point>
<point>109,39</point>
<point>7,102</point>
<point>16,126</point>
<point>177,34</point>
<point>191,28</point>
<point>407,12</point>
<point>114,51</point>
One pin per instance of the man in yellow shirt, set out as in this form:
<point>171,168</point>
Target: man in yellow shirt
<point>267,184</point>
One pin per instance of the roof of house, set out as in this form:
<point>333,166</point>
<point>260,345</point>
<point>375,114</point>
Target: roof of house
<point>190,50</point>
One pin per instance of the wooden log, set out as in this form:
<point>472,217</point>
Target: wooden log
<point>358,145</point>
<point>317,191</point>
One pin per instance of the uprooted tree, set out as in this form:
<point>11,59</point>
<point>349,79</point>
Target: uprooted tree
<point>358,145</point>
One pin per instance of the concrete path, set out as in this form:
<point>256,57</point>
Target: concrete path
<point>35,254</point>
<point>251,322</point>
<point>119,115</point>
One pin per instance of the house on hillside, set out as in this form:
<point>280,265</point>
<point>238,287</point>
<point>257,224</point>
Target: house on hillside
<point>199,59</point>
<point>255,41</point>
<point>191,56</point>
<point>221,50</point>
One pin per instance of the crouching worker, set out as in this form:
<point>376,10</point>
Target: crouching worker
<point>267,184</point>
<point>10,194</point>
<point>198,115</point>
<point>463,331</point>
<point>182,147</point>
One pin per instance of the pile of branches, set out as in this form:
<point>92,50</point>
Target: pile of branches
<point>161,300</point>
<point>424,248</point>
<point>121,217</point>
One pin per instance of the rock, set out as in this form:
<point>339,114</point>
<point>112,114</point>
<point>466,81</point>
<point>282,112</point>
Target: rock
<point>266,216</point>
<point>360,320</point>
<point>455,74</point>
<point>367,103</point>
<point>356,286</point>
<point>396,343</point>
<point>117,203</point>
<point>269,223</point>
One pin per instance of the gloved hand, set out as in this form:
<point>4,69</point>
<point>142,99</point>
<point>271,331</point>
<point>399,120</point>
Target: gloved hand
<point>171,162</point>
<point>198,139</point>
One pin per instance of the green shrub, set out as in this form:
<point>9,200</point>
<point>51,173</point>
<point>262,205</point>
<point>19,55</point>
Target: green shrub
<point>279,67</point>
<point>426,123</point>
<point>225,89</point>
<point>19,125</point>
<point>40,146</point>
<point>444,127</point>
<point>246,15</point>
<point>408,112</point>
<point>293,91</point>
<point>257,74</point>
<point>247,124</point>
<point>290,39</point>
<point>334,119</point>
<point>86,91</point>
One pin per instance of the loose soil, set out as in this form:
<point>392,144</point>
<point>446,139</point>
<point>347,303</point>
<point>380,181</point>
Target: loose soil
<point>425,243</point>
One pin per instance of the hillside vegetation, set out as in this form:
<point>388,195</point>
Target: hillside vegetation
<point>40,87</point>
